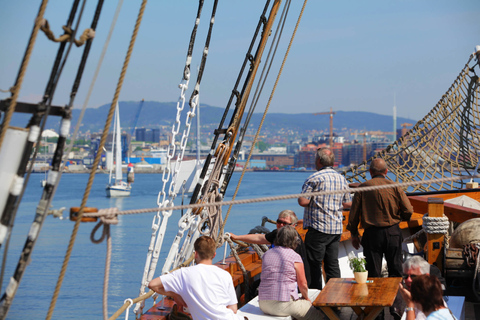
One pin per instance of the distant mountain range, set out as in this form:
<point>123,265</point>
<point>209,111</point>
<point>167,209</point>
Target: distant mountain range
<point>160,114</point>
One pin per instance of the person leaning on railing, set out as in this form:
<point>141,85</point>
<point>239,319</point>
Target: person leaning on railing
<point>285,218</point>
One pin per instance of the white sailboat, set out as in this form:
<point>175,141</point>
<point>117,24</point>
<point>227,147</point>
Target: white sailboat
<point>119,188</point>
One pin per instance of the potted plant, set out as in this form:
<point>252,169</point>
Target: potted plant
<point>357,264</point>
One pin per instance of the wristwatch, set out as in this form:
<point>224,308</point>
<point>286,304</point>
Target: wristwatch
<point>409,309</point>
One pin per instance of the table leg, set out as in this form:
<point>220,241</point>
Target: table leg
<point>359,311</point>
<point>330,313</point>
<point>373,313</point>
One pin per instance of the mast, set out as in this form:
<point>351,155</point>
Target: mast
<point>111,160</point>
<point>118,147</point>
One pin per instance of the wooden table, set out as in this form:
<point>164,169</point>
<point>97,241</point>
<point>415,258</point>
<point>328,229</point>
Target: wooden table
<point>366,300</point>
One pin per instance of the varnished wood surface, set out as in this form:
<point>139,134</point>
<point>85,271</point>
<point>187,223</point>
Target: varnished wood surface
<point>345,292</point>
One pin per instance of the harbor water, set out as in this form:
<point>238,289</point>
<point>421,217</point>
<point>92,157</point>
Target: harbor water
<point>80,296</point>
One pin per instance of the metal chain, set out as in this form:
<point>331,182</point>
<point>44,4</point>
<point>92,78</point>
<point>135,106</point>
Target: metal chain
<point>159,224</point>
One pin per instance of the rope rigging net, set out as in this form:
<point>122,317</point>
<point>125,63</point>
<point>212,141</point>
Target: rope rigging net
<point>443,144</point>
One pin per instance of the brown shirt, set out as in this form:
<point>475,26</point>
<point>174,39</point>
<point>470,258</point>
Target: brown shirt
<point>378,208</point>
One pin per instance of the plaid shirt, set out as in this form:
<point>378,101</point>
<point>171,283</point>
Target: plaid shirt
<point>324,213</point>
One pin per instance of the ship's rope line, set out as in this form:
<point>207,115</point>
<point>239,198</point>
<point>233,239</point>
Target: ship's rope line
<point>68,35</point>
<point>15,90</point>
<point>209,189</point>
<point>54,175</point>
<point>165,199</point>
<point>97,160</point>
<point>226,146</point>
<point>92,84</point>
<point>234,94</point>
<point>284,197</point>
<point>444,142</point>
<point>256,96</point>
<point>128,304</point>
<point>266,110</point>
<point>35,128</point>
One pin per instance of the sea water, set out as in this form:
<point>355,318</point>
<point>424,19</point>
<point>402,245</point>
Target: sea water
<point>81,294</point>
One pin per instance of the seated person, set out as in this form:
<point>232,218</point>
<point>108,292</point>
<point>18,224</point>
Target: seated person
<point>426,293</point>
<point>205,289</point>
<point>285,218</point>
<point>412,268</point>
<point>282,272</point>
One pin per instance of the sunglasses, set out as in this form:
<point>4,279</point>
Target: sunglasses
<point>412,276</point>
<point>285,223</point>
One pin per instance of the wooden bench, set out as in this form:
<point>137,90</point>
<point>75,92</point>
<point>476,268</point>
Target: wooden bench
<point>252,310</point>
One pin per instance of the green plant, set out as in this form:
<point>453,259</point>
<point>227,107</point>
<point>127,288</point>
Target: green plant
<point>357,264</point>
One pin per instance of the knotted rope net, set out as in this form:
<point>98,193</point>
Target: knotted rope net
<point>443,144</point>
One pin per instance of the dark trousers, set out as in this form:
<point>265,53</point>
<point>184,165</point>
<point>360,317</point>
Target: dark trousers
<point>380,241</point>
<point>322,247</point>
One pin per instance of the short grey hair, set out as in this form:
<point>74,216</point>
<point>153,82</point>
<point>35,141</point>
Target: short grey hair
<point>416,262</point>
<point>287,237</point>
<point>326,156</point>
<point>290,214</point>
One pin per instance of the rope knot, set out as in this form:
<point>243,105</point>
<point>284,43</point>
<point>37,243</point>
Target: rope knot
<point>86,35</point>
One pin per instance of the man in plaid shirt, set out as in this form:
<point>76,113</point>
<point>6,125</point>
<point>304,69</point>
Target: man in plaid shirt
<point>323,217</point>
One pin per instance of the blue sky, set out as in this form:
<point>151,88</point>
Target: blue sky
<point>347,55</point>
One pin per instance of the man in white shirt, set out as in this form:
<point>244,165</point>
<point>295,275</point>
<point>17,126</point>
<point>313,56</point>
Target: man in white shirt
<point>206,290</point>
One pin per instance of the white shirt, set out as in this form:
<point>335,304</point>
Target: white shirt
<point>206,289</point>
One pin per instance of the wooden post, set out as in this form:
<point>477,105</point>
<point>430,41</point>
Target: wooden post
<point>435,241</point>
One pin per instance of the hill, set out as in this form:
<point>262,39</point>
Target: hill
<point>162,115</point>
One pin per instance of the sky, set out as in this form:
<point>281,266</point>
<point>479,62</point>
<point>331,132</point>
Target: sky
<point>347,55</point>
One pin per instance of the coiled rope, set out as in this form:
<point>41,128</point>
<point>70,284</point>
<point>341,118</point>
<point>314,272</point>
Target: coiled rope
<point>437,225</point>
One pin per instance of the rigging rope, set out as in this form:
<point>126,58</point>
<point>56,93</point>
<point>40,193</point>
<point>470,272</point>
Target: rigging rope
<point>159,224</point>
<point>21,73</point>
<point>266,109</point>
<point>36,125</point>
<point>97,159</point>
<point>15,90</point>
<point>284,197</point>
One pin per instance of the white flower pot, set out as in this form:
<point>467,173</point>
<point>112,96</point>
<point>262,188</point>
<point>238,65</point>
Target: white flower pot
<point>361,277</point>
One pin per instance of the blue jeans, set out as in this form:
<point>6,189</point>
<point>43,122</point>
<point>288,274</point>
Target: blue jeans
<point>322,247</point>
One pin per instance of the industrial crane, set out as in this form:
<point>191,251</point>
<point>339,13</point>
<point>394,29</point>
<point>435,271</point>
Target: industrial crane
<point>331,113</point>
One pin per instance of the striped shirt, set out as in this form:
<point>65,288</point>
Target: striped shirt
<point>279,278</point>
<point>324,213</point>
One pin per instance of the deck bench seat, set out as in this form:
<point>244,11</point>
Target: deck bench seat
<point>456,304</point>
<point>252,310</point>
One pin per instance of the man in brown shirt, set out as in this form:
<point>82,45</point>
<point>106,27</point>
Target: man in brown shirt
<point>380,212</point>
